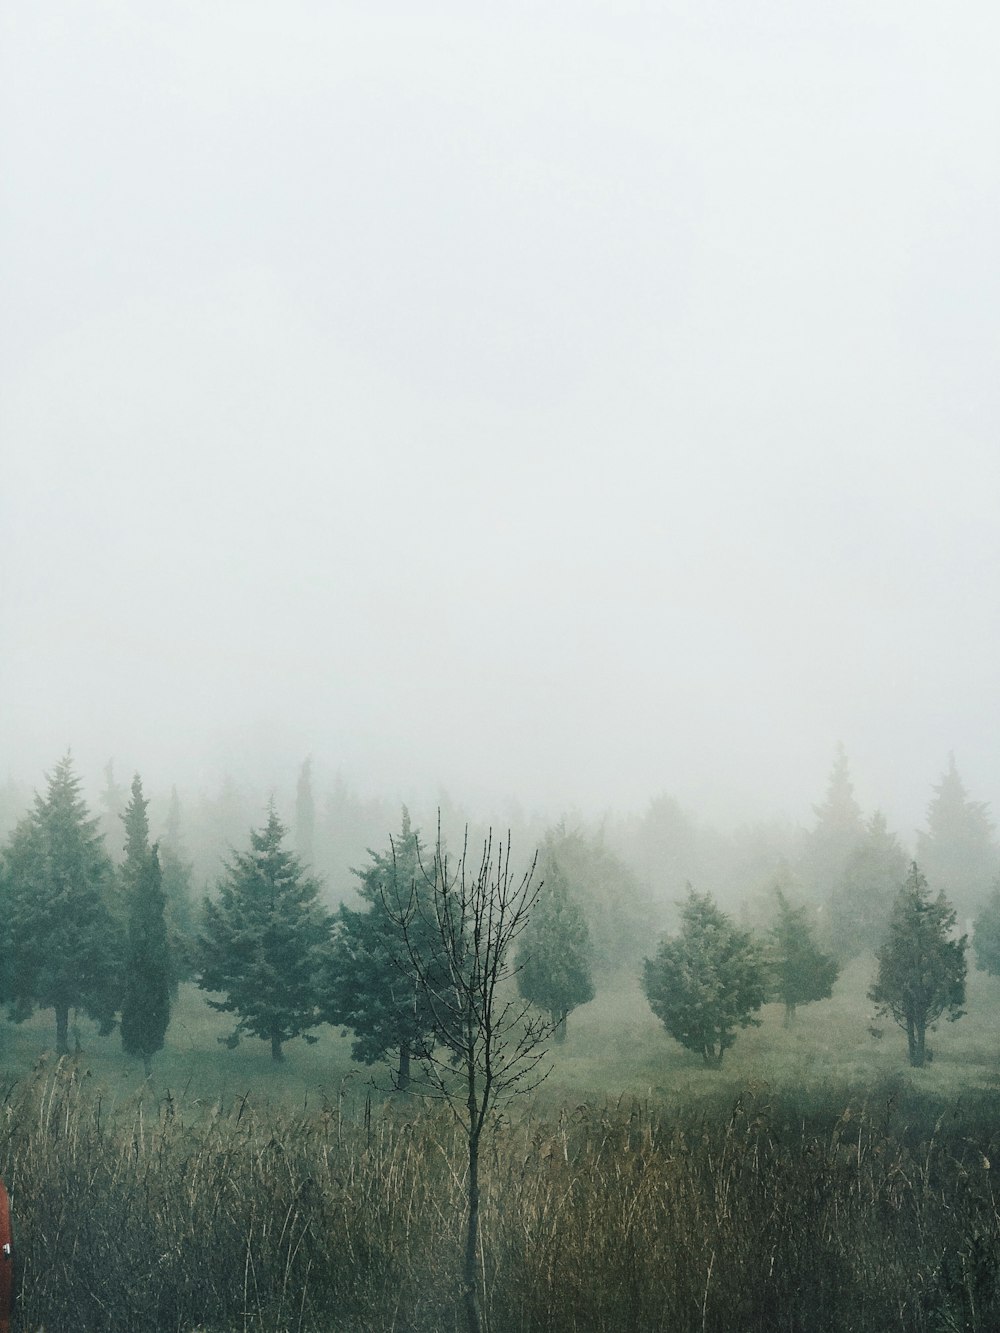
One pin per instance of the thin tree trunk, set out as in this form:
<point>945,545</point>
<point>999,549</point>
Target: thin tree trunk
<point>560,1032</point>
<point>403,1073</point>
<point>62,1029</point>
<point>911,1041</point>
<point>919,1055</point>
<point>147,1064</point>
<point>277,1054</point>
<point>470,1277</point>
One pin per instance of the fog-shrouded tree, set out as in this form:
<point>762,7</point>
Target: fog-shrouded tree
<point>621,914</point>
<point>957,850</point>
<point>556,954</point>
<point>176,871</point>
<point>986,934</point>
<point>305,815</point>
<point>802,973</point>
<point>707,981</point>
<point>372,987</point>
<point>263,943</point>
<point>148,972</point>
<point>64,940</point>
<point>921,965</point>
<point>838,830</point>
<point>860,904</point>
<point>460,930</point>
<point>113,800</point>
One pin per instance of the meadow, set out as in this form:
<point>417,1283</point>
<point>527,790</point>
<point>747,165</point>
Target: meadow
<point>814,1182</point>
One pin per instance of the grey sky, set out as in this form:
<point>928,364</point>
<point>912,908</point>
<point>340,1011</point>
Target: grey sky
<point>575,401</point>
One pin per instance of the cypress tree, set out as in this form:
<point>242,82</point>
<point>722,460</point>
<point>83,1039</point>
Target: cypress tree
<point>148,971</point>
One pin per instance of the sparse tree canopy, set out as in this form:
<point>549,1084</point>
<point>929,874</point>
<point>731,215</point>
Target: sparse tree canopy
<point>556,953</point>
<point>148,970</point>
<point>706,982</point>
<point>921,965</point>
<point>373,987</point>
<point>487,1046</point>
<point>64,940</point>
<point>263,941</point>
<point>802,972</point>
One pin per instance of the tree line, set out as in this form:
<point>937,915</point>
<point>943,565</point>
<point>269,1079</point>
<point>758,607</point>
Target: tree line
<point>81,935</point>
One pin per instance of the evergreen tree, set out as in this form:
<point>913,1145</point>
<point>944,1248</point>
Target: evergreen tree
<point>176,872</point>
<point>861,902</point>
<point>621,915</point>
<point>555,957</point>
<point>148,971</point>
<point>957,849</point>
<point>802,972</point>
<point>263,941</point>
<point>921,965</point>
<point>986,934</point>
<point>707,981</point>
<point>113,801</point>
<point>65,942</point>
<point>836,834</point>
<point>372,986</point>
<point>305,815</point>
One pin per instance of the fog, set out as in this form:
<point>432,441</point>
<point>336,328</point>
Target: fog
<point>566,402</point>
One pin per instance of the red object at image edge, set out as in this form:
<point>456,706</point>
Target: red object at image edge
<point>6,1261</point>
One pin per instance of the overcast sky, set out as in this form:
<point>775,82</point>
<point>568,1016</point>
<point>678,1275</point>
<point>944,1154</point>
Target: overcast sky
<point>575,401</point>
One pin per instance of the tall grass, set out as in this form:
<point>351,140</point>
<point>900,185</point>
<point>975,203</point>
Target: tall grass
<point>827,1211</point>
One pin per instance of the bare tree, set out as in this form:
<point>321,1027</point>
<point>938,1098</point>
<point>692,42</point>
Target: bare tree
<point>458,924</point>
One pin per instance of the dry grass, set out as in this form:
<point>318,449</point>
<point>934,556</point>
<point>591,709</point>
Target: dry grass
<point>868,1212</point>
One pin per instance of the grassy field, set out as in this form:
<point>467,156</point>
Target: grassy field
<point>815,1182</point>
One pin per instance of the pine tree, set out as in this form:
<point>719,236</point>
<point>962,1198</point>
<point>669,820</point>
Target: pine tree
<point>305,815</point>
<point>707,981</point>
<point>836,834</point>
<point>555,956</point>
<point>957,850</point>
<point>802,972</point>
<point>148,971</point>
<point>177,870</point>
<point>65,942</point>
<point>263,942</point>
<point>921,965</point>
<point>372,987</point>
<point>861,902</point>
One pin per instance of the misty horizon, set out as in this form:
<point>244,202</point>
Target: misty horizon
<point>553,405</point>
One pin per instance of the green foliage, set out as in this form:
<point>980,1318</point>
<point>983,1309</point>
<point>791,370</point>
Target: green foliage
<point>861,902</point>
<point>986,934</point>
<point>802,972</point>
<point>556,953</point>
<point>957,849</point>
<point>64,940</point>
<point>263,942</point>
<point>921,966</point>
<point>706,982</point>
<point>372,986</point>
<point>148,969</point>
